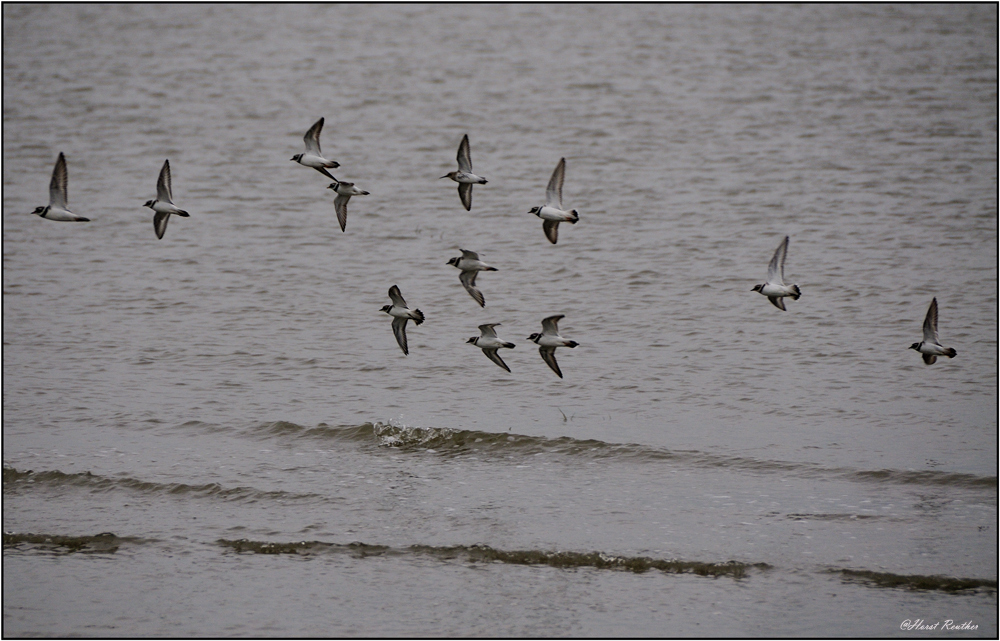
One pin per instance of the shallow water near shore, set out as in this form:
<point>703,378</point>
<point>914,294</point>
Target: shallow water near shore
<point>215,434</point>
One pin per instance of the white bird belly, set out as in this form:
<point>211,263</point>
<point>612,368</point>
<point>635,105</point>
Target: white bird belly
<point>934,349</point>
<point>472,265</point>
<point>488,342</point>
<point>58,213</point>
<point>777,291</point>
<point>161,207</point>
<point>462,177</point>
<point>311,160</point>
<point>400,312</point>
<point>551,213</point>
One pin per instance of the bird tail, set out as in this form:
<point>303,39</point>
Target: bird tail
<point>951,353</point>
<point>183,214</point>
<point>572,344</point>
<point>798,292</point>
<point>511,345</point>
<point>576,216</point>
<point>418,316</point>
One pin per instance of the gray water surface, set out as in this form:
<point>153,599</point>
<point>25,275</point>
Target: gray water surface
<point>231,405</point>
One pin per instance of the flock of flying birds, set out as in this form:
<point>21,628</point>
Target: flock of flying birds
<point>469,265</point>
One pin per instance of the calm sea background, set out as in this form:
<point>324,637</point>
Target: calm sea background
<point>216,433</point>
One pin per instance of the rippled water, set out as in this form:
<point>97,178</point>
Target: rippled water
<point>231,406</point>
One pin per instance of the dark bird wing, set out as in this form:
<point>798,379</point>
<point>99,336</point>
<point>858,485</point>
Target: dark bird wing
<point>776,269</point>
<point>464,155</point>
<point>399,329</point>
<point>312,138</point>
<point>551,228</point>
<point>495,357</point>
<point>469,282</point>
<point>164,190</point>
<point>488,331</point>
<point>930,359</point>
<point>465,193</point>
<point>340,204</point>
<point>160,220</point>
<point>469,255</point>
<point>550,325</point>
<point>930,325</point>
<point>396,297</point>
<point>549,356</point>
<point>777,301</point>
<point>58,194</point>
<point>553,193</point>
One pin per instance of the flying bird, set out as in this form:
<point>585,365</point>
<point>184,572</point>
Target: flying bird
<point>400,314</point>
<point>56,209</point>
<point>552,212</point>
<point>930,348</point>
<point>489,343</point>
<point>470,265</point>
<point>549,340</point>
<point>464,176</point>
<point>344,193</point>
<point>313,157</point>
<point>164,205</point>
<point>775,288</point>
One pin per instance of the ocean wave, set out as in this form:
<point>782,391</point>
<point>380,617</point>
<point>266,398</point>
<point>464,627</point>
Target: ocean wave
<point>486,554</point>
<point>915,581</point>
<point>452,441</point>
<point>105,542</point>
<point>446,441</point>
<point>16,480</point>
<point>109,543</point>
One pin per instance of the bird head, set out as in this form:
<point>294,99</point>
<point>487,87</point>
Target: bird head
<point>757,288</point>
<point>386,309</point>
<point>39,211</point>
<point>149,203</point>
<point>534,337</point>
<point>453,261</point>
<point>915,346</point>
<point>536,211</point>
<point>296,157</point>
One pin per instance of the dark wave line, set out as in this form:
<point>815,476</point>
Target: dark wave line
<point>15,480</point>
<point>915,581</point>
<point>353,433</point>
<point>447,441</point>
<point>487,554</point>
<point>105,542</point>
<point>109,543</point>
<point>454,442</point>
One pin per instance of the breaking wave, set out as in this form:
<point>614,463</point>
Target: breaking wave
<point>456,442</point>
<point>109,543</point>
<point>15,480</point>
